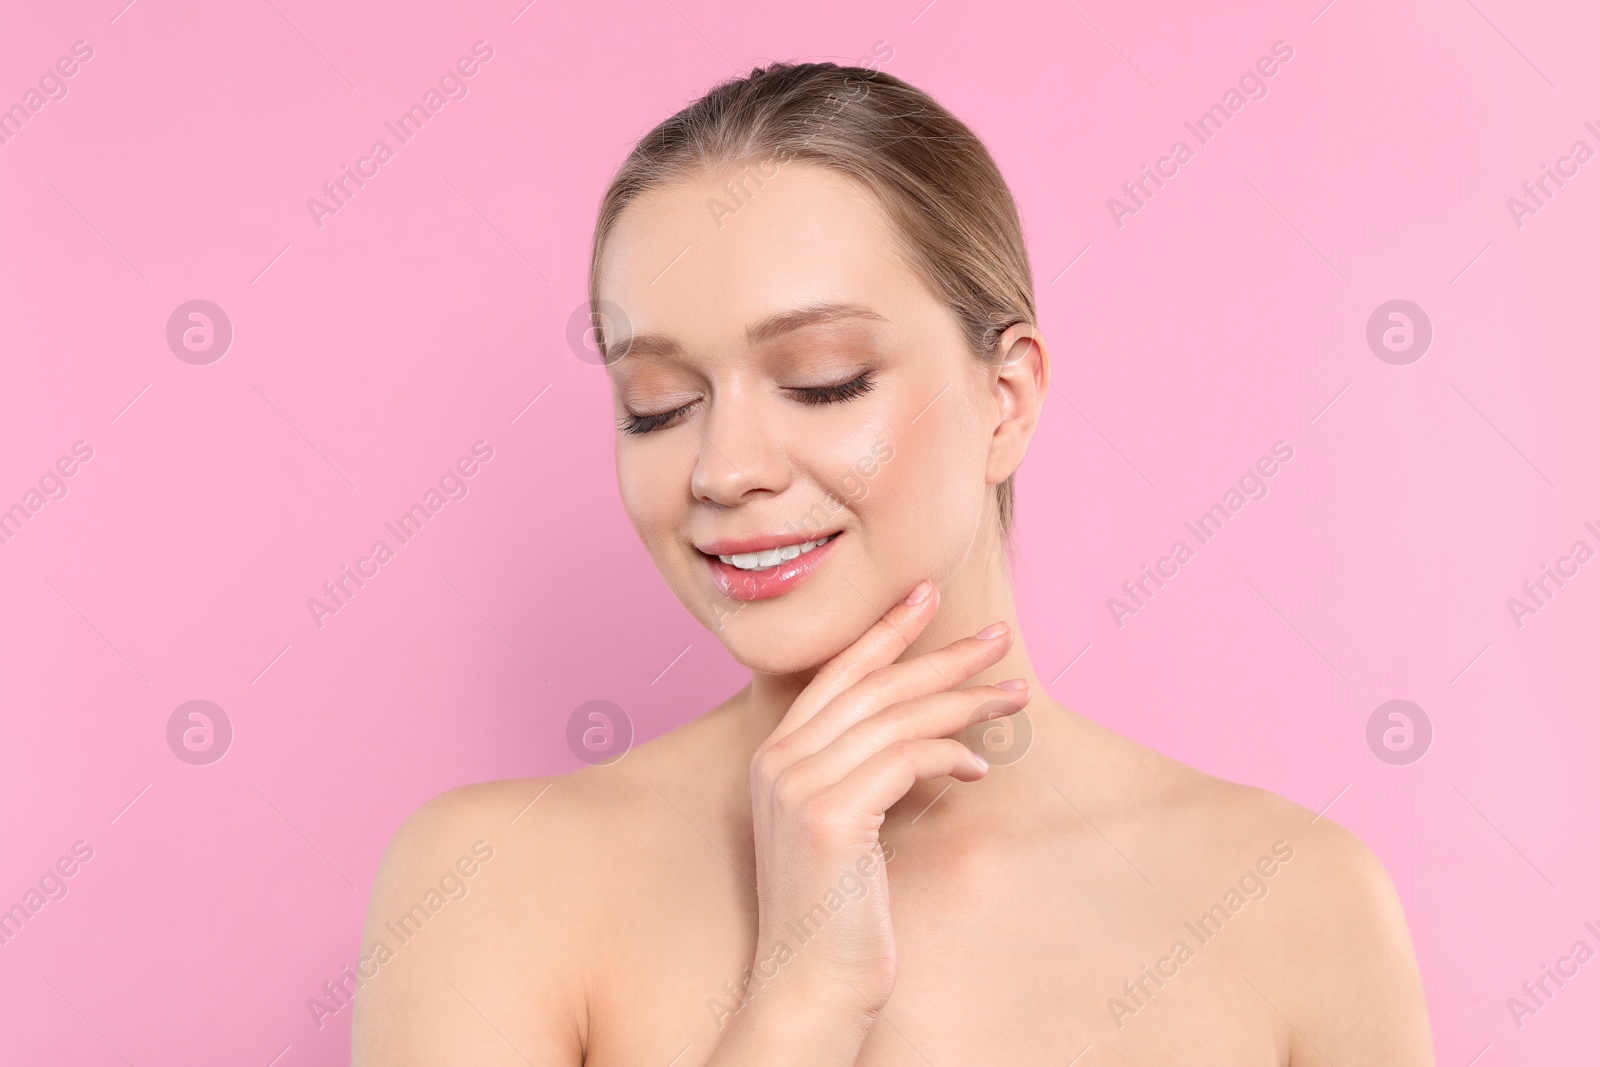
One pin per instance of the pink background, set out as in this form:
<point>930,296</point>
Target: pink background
<point>368,354</point>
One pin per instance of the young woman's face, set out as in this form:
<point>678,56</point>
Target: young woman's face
<point>786,377</point>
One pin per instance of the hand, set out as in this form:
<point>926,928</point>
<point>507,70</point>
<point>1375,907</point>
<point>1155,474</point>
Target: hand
<point>853,743</point>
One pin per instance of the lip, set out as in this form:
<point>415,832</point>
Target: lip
<point>758,544</point>
<point>768,583</point>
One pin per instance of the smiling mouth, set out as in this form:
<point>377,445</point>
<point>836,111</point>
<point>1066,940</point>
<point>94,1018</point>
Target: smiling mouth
<point>772,557</point>
<point>767,572</point>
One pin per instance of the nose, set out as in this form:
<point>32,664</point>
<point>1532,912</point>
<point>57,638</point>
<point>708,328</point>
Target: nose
<point>740,458</point>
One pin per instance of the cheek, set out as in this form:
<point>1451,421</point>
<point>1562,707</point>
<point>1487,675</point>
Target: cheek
<point>938,467</point>
<point>928,499</point>
<point>652,491</point>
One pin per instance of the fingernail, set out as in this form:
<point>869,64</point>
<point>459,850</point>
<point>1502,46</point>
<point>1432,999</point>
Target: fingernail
<point>919,592</point>
<point>1013,684</point>
<point>992,631</point>
<point>983,763</point>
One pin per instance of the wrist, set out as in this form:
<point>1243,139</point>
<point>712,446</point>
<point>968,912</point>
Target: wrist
<point>784,1024</point>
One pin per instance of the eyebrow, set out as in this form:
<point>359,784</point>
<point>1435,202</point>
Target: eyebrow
<point>768,329</point>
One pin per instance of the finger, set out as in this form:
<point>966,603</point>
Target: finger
<point>883,642</point>
<point>934,716</point>
<point>932,672</point>
<point>874,787</point>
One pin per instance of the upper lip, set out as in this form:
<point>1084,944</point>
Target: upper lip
<point>758,544</point>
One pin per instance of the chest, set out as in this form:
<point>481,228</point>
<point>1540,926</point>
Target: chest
<point>1040,963</point>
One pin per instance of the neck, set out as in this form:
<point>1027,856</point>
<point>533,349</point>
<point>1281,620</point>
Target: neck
<point>977,594</point>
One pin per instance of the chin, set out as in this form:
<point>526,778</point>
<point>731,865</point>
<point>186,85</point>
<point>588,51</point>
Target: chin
<point>772,637</point>
<point>794,632</point>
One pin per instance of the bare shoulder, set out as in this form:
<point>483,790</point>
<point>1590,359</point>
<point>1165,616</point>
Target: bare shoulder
<point>448,911</point>
<point>1315,934</point>
<point>1326,944</point>
<point>487,906</point>
<point>1336,897</point>
<point>1211,825</point>
<point>1336,956</point>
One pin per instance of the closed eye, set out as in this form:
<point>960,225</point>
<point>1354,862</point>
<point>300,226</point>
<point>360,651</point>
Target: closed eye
<point>833,394</point>
<point>646,423</point>
<point>809,395</point>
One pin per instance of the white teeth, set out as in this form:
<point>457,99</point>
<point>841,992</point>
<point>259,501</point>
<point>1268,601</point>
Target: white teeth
<point>757,561</point>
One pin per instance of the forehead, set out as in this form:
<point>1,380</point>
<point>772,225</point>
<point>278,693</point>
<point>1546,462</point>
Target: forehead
<point>701,258</point>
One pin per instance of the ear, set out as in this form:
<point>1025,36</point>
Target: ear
<point>1019,383</point>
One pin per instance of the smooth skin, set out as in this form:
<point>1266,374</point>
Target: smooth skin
<point>958,912</point>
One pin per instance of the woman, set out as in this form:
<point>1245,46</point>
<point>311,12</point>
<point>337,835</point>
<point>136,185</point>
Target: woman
<point>820,331</point>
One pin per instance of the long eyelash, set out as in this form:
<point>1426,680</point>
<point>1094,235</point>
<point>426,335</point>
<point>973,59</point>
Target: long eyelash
<point>646,423</point>
<point>833,394</point>
<point>825,394</point>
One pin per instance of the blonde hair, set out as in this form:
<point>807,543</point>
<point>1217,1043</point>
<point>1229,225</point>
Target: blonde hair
<point>933,176</point>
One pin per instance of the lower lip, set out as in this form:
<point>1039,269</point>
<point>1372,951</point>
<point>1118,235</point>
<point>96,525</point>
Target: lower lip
<point>768,583</point>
